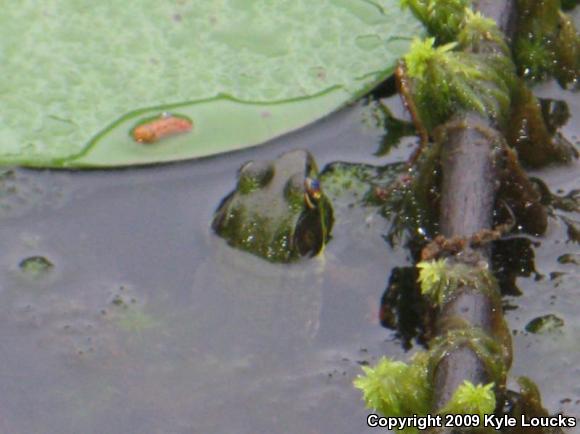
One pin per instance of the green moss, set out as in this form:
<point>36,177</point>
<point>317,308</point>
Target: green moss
<point>441,17</point>
<point>446,81</point>
<point>433,278</point>
<point>567,51</point>
<point>569,4</point>
<point>471,399</point>
<point>440,279</point>
<point>489,350</point>
<point>533,57</point>
<point>395,388</point>
<point>423,53</point>
<point>529,134</point>
<point>547,43</point>
<point>480,34</point>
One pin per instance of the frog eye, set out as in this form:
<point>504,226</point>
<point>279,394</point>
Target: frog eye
<point>254,175</point>
<point>312,192</point>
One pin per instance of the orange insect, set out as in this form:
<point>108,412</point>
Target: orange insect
<point>160,127</point>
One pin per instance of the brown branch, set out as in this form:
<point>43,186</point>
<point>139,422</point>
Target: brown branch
<point>467,200</point>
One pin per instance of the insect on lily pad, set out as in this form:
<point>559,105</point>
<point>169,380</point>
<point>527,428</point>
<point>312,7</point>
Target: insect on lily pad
<point>154,129</point>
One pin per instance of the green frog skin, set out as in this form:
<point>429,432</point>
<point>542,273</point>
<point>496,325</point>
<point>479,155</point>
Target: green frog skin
<point>277,210</point>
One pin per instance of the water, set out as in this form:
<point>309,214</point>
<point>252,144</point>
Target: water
<point>129,333</point>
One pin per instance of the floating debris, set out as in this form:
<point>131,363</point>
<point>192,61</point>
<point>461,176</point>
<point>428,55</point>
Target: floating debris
<point>36,267</point>
<point>545,324</point>
<point>569,258</point>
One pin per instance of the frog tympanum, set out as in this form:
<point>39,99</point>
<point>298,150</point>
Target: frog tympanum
<point>277,210</point>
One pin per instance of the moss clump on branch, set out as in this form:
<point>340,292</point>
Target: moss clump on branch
<point>440,280</point>
<point>434,277</point>
<point>396,388</point>
<point>399,389</point>
<point>493,351</point>
<point>445,81</point>
<point>471,70</point>
<point>477,73</point>
<point>479,34</point>
<point>471,399</point>
<point>441,17</point>
<point>547,43</point>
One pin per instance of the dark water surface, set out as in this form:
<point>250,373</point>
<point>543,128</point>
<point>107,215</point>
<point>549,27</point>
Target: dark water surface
<point>147,324</point>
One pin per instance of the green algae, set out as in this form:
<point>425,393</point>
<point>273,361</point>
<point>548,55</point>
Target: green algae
<point>547,43</point>
<point>36,267</point>
<point>545,324</point>
<point>244,71</point>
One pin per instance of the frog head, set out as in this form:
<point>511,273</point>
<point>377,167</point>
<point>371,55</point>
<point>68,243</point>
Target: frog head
<point>277,211</point>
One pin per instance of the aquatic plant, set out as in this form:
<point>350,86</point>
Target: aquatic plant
<point>242,73</point>
<point>472,399</point>
<point>547,43</point>
<point>439,279</point>
<point>396,388</point>
<point>441,17</point>
<point>460,92</point>
<point>447,81</point>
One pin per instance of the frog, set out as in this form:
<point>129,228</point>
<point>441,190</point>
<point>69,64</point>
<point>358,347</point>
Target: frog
<point>268,267</point>
<point>265,260</point>
<point>278,210</point>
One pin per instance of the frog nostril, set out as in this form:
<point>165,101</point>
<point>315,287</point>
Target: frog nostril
<point>254,175</point>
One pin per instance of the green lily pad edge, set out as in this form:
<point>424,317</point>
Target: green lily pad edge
<point>266,69</point>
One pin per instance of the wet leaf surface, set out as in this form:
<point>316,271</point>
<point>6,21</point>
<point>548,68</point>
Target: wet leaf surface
<point>82,75</point>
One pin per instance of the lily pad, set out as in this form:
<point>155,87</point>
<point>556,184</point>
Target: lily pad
<point>79,75</point>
